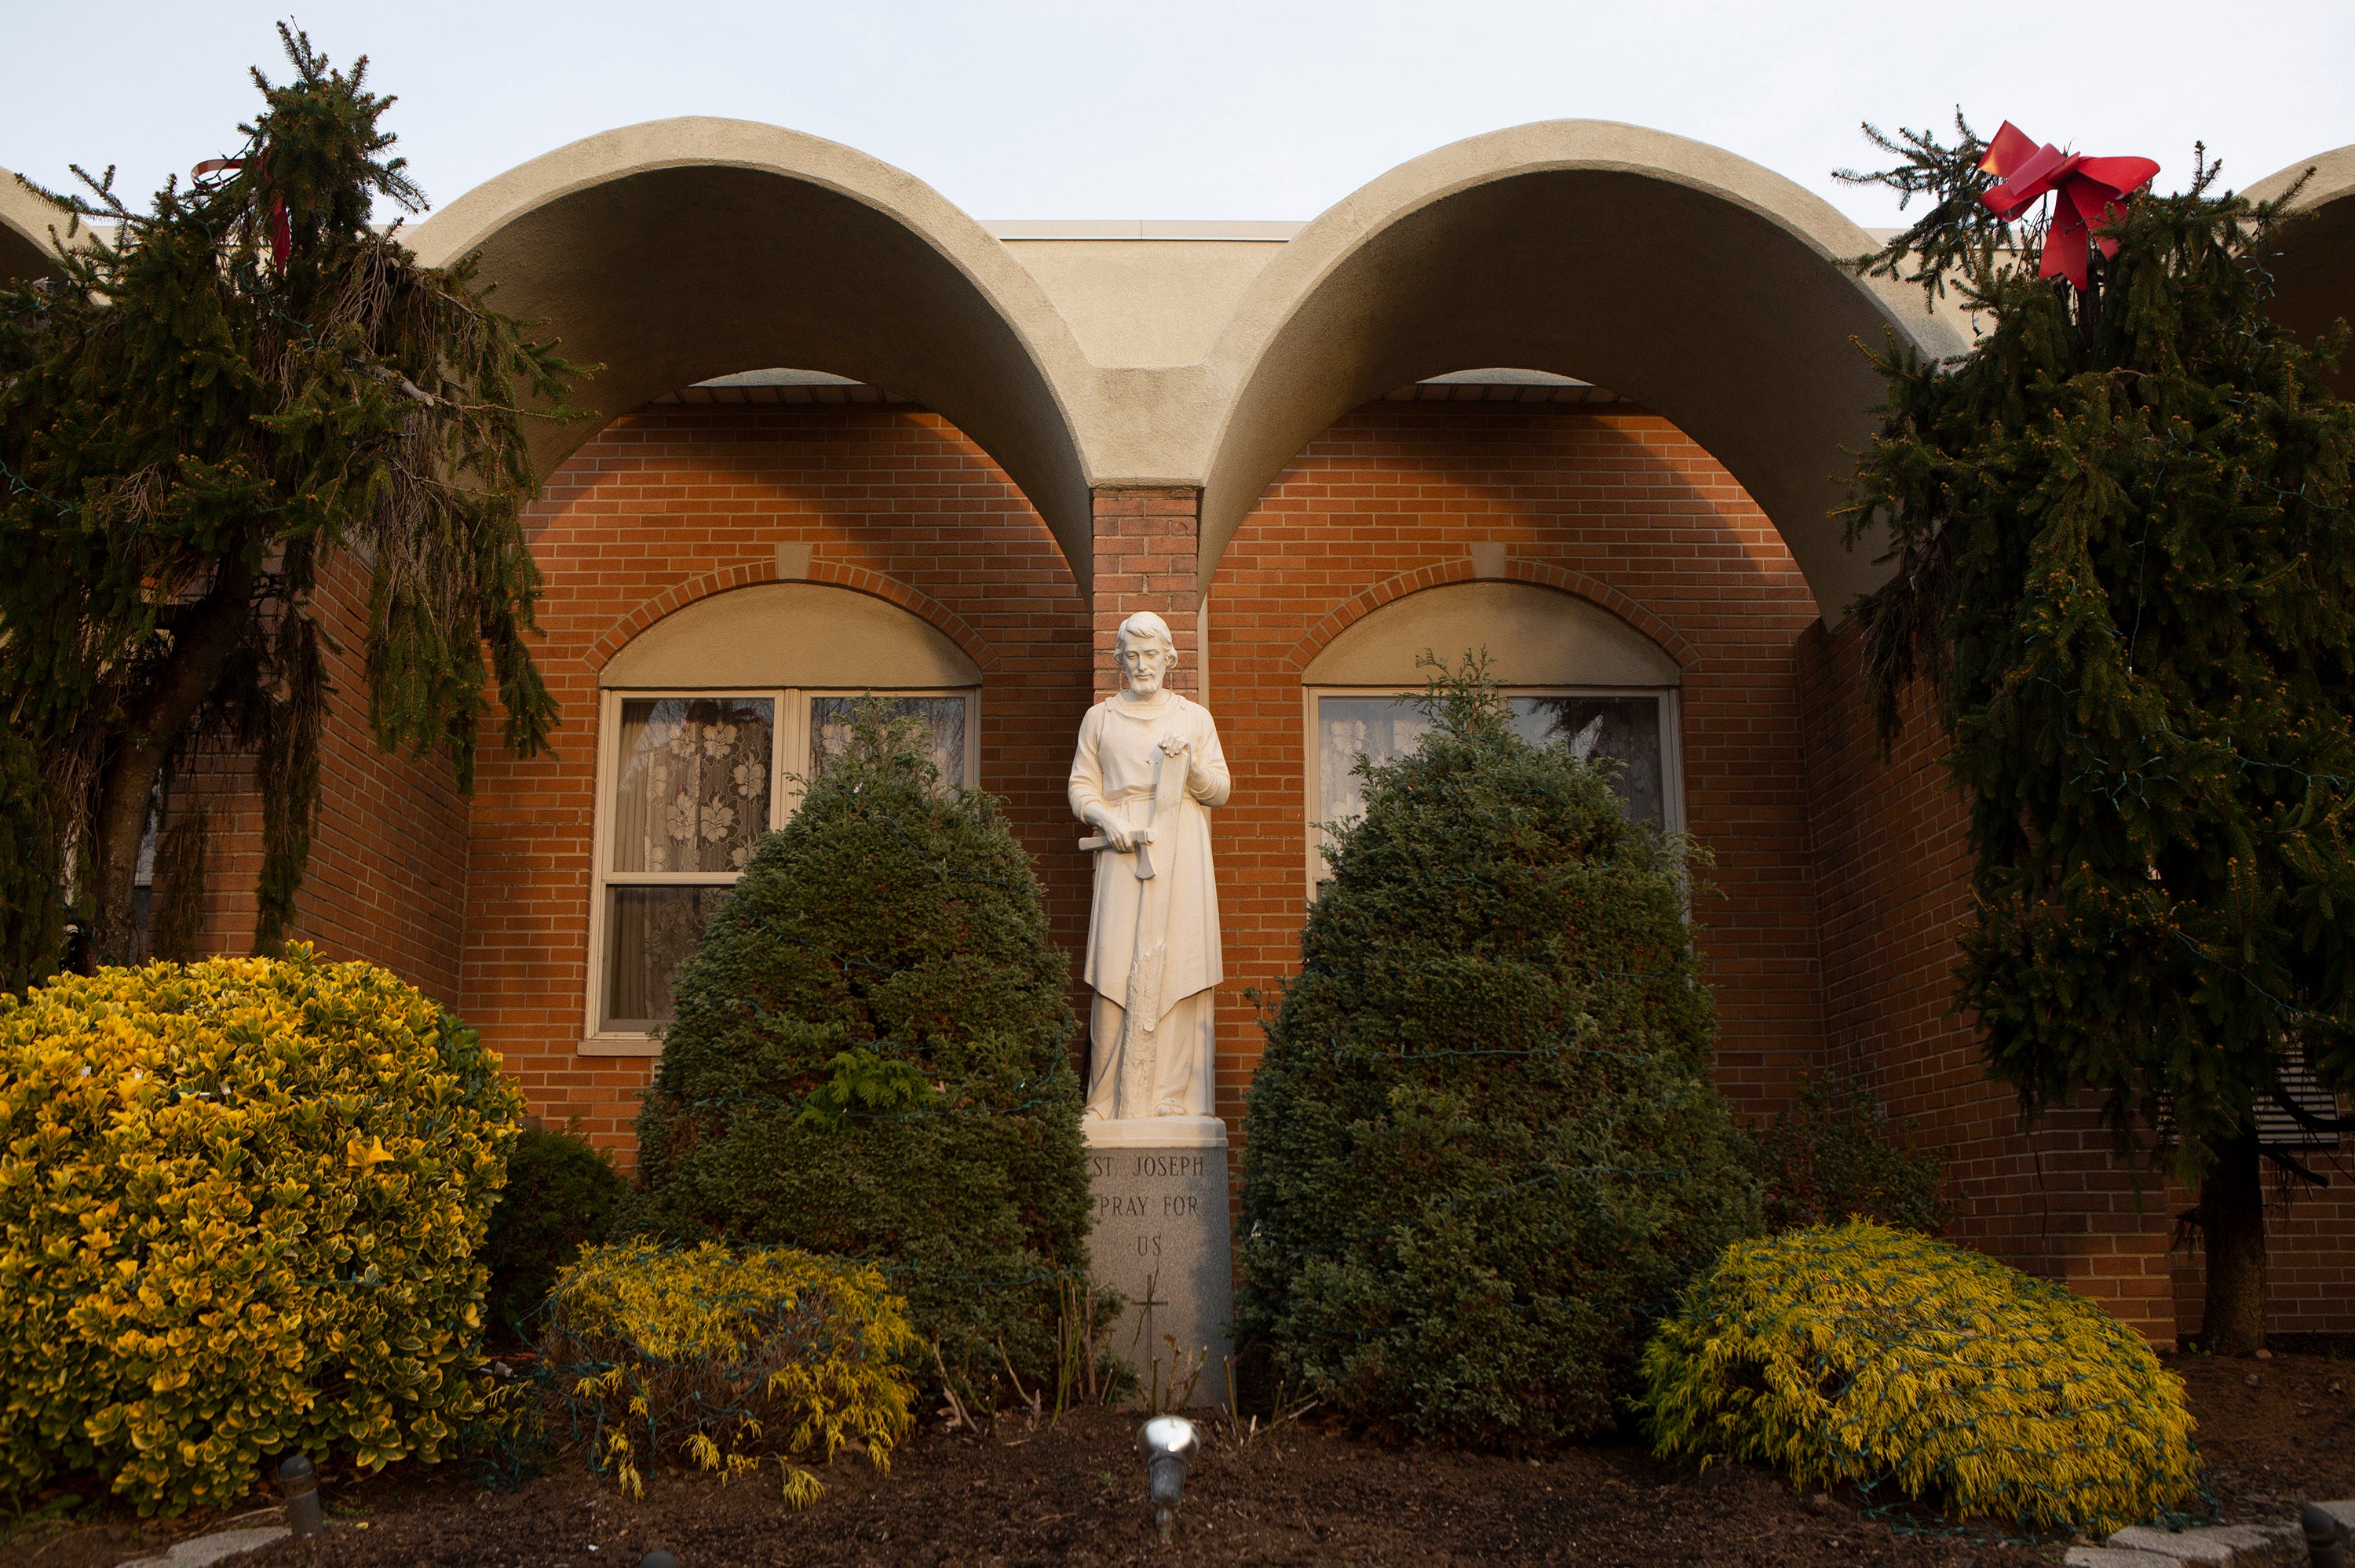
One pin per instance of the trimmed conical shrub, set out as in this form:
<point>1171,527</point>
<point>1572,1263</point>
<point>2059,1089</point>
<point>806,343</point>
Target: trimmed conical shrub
<point>870,1059</point>
<point>1483,1154</point>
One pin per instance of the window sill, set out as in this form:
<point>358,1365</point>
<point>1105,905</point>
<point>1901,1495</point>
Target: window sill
<point>602,1044</point>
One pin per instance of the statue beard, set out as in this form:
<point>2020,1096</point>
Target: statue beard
<point>1147,683</point>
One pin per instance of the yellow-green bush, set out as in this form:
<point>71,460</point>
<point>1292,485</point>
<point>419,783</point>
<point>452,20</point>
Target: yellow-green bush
<point>239,1203</point>
<point>725,1356</point>
<point>1856,1353</point>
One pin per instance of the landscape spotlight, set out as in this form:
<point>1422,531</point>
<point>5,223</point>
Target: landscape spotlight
<point>300,1484</point>
<point>1169,1444</point>
<point>2322,1543</point>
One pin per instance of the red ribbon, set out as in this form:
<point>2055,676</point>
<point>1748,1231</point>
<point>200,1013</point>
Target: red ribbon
<point>2087,192</point>
<point>282,235</point>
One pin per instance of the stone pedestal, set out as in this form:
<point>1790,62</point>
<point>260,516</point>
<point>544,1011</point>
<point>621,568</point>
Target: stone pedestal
<point>1161,1239</point>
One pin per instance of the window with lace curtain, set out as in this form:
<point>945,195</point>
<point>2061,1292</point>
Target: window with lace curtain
<point>689,783</point>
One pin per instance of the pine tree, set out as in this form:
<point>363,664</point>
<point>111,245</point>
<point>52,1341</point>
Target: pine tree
<point>2125,565</point>
<point>198,414</point>
<point>1483,1153</point>
<point>872,1059</point>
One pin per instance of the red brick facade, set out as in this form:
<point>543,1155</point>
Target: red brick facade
<point>1619,508</point>
<point>1840,875</point>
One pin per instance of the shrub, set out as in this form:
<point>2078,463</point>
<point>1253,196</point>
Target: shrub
<point>722,1356</point>
<point>1860,1354</point>
<point>1482,1152</point>
<point>883,966</point>
<point>240,1204</point>
<point>1830,1158</point>
<point>561,1196</point>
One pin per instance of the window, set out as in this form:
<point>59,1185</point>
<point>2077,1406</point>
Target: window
<point>1637,730</point>
<point>689,782</point>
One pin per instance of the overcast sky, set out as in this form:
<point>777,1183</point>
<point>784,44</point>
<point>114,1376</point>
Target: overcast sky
<point>1268,110</point>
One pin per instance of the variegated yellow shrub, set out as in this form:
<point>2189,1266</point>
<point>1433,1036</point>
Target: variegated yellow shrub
<point>728,1355</point>
<point>1856,1353</point>
<point>239,1204</point>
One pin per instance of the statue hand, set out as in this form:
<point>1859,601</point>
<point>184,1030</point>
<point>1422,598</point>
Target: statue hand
<point>1117,833</point>
<point>1172,743</point>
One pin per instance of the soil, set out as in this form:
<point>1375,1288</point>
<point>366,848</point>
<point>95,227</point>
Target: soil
<point>2276,1433</point>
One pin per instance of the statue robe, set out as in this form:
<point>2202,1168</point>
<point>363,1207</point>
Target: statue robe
<point>1114,767</point>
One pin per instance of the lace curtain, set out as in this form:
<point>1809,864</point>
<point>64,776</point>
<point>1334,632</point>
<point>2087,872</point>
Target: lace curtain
<point>691,795</point>
<point>693,790</point>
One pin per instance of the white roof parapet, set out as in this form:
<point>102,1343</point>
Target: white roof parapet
<point>1027,229</point>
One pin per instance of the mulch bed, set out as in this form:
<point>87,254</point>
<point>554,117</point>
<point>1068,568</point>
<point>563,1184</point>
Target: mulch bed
<point>2276,1433</point>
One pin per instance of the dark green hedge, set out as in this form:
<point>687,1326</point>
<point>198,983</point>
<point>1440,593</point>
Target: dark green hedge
<point>561,1196</point>
<point>871,1059</point>
<point>1830,1158</point>
<point>1482,1152</point>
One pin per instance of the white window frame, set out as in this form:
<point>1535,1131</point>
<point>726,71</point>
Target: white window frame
<point>1672,753</point>
<point>789,741</point>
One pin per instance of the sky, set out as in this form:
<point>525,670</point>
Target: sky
<point>1273,110</point>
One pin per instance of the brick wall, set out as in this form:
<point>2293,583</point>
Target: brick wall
<point>387,877</point>
<point>1618,506</point>
<point>1893,869</point>
<point>1840,873</point>
<point>1144,559</point>
<point>2309,1252</point>
<point>676,502</point>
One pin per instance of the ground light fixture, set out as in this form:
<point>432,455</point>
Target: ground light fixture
<point>300,1483</point>
<point>2322,1545</point>
<point>1168,1444</point>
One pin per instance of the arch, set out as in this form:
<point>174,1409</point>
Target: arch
<point>1538,636</point>
<point>681,249</point>
<point>1703,286</point>
<point>789,634</point>
<point>2314,277</point>
<point>24,223</point>
<point>834,574</point>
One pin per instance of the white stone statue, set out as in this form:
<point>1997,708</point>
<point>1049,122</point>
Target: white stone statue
<point>1147,771</point>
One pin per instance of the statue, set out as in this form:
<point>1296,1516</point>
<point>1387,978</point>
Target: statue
<point>1147,771</point>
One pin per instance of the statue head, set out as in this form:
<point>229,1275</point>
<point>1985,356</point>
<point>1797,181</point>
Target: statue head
<point>1144,652</point>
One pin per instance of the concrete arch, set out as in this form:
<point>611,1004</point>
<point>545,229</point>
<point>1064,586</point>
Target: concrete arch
<point>1699,283</point>
<point>24,231</point>
<point>2314,278</point>
<point>682,249</point>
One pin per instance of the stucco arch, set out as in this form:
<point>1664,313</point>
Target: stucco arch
<point>2314,278</point>
<point>1702,285</point>
<point>1536,636</point>
<point>24,231</point>
<point>682,249</point>
<point>789,634</point>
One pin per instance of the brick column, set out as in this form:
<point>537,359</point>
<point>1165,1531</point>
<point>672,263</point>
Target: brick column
<point>1144,559</point>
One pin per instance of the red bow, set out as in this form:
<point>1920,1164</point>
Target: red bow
<point>2089,191</point>
<point>281,237</point>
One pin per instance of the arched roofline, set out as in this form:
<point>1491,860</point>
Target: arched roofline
<point>1702,284</point>
<point>25,224</point>
<point>2314,276</point>
<point>681,249</point>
